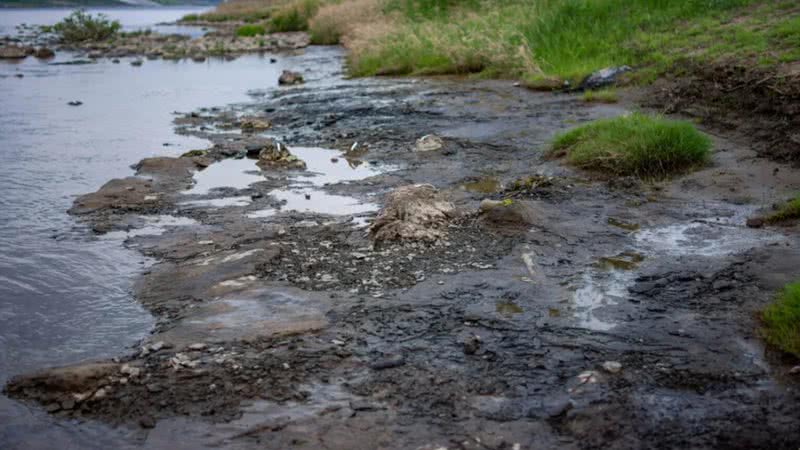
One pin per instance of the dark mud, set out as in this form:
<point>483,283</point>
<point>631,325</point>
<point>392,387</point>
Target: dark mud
<point>592,314</point>
<point>762,105</point>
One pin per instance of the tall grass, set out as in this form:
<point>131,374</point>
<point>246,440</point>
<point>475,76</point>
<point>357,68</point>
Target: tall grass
<point>564,38</point>
<point>294,16</point>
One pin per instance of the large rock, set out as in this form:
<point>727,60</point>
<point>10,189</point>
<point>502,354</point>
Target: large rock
<point>277,155</point>
<point>288,78</point>
<point>604,77</point>
<point>417,212</point>
<point>13,52</point>
<point>44,53</point>
<point>508,214</point>
<point>64,387</point>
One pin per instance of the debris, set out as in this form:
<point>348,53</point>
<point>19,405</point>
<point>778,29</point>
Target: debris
<point>429,143</point>
<point>612,366</point>
<point>416,212</point>
<point>471,344</point>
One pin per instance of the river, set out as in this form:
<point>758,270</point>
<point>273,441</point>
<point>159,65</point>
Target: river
<point>64,293</point>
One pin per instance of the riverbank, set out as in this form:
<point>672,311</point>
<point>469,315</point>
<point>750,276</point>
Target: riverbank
<point>281,323</point>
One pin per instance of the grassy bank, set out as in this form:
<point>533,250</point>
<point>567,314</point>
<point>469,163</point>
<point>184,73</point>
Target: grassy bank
<point>636,144</point>
<point>782,320</point>
<point>533,39</point>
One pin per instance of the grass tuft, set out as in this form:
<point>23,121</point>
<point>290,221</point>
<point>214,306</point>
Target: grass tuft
<point>250,30</point>
<point>636,144</point>
<point>600,96</point>
<point>782,320</point>
<point>788,211</point>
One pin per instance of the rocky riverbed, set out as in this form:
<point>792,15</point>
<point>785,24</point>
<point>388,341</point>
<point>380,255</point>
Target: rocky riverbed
<point>220,42</point>
<point>462,292</point>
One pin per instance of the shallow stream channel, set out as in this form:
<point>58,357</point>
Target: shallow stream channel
<point>197,295</point>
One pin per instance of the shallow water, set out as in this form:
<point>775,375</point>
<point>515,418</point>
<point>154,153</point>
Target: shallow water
<point>64,294</point>
<point>304,193</point>
<point>131,19</point>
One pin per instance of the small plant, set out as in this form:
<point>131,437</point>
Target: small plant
<point>788,211</point>
<point>600,96</point>
<point>81,26</point>
<point>782,320</point>
<point>635,144</point>
<point>190,18</point>
<point>250,30</point>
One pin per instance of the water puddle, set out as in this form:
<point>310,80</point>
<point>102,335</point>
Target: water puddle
<point>331,166</point>
<point>230,173</point>
<point>487,185</point>
<point>624,261</point>
<point>219,202</point>
<point>717,235</point>
<point>153,226</point>
<point>598,292</point>
<point>507,307</point>
<point>316,201</point>
<point>324,167</point>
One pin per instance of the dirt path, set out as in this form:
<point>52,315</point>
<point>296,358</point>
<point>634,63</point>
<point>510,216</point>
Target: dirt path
<point>616,314</point>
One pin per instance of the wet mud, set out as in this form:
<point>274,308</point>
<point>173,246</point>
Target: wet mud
<point>554,310</point>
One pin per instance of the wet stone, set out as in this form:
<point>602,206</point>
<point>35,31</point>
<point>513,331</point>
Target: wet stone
<point>388,362</point>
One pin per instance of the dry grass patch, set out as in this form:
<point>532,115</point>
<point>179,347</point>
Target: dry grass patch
<point>336,23</point>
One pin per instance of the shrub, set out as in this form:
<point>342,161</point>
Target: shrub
<point>81,26</point>
<point>782,320</point>
<point>250,30</point>
<point>636,144</point>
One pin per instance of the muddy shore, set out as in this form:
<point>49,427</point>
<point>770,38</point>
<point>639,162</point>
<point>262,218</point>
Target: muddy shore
<point>612,313</point>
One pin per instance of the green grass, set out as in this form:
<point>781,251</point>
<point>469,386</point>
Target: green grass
<point>782,320</point>
<point>569,39</point>
<point>636,144</point>
<point>250,30</point>
<point>788,211</point>
<point>294,17</point>
<point>600,96</point>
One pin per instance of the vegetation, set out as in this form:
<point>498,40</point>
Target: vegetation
<point>294,16</point>
<point>788,211</point>
<point>250,30</point>
<point>237,11</point>
<point>81,26</point>
<point>635,144</point>
<point>600,96</point>
<point>782,320</point>
<point>542,42</point>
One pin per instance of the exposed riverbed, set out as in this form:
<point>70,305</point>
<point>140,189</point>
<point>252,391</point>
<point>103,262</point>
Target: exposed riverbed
<point>616,314</point>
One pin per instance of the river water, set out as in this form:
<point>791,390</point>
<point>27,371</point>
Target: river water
<point>64,293</point>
